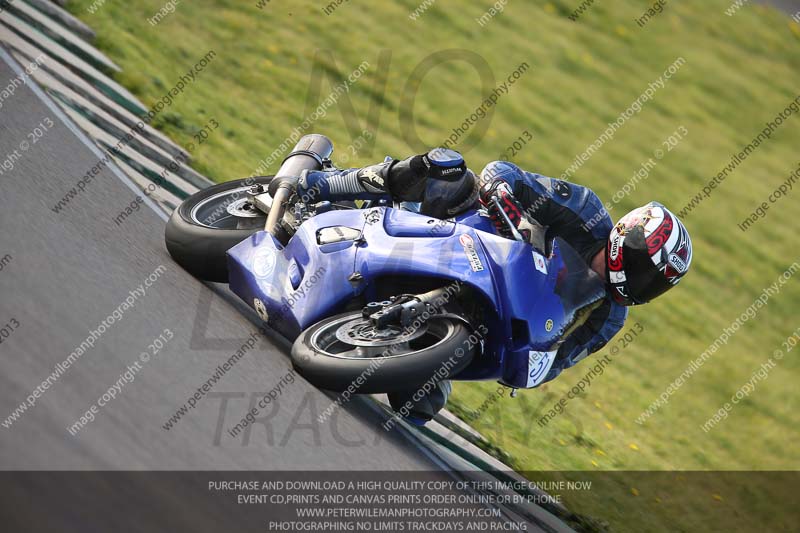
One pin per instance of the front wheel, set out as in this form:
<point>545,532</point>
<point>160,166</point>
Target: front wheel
<point>210,222</point>
<point>348,349</point>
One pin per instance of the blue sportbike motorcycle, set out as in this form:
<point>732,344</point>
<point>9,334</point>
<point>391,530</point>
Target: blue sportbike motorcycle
<point>378,297</point>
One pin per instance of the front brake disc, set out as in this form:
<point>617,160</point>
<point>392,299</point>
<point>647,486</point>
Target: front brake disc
<point>361,332</point>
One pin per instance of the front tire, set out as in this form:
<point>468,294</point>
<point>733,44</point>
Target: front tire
<point>210,222</point>
<point>337,352</point>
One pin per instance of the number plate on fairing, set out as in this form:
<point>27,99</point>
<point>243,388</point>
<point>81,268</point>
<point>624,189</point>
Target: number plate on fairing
<point>539,364</point>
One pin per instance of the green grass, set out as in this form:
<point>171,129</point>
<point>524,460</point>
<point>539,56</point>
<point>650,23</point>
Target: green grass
<point>740,71</point>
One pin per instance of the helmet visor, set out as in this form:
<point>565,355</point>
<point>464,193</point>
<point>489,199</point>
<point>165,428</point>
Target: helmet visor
<point>645,280</point>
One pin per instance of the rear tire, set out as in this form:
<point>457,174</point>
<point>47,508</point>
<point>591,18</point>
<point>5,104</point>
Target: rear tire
<point>326,361</point>
<point>210,222</point>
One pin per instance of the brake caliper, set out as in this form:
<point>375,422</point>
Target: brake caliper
<point>402,310</point>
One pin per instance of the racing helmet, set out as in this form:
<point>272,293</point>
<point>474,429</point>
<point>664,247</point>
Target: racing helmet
<point>649,251</point>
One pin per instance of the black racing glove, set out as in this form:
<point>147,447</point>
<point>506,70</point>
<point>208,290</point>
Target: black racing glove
<point>408,178</point>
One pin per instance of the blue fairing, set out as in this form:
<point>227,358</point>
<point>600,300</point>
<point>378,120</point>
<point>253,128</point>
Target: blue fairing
<point>259,267</point>
<point>307,281</point>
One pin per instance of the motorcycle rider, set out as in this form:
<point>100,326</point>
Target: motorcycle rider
<point>645,254</point>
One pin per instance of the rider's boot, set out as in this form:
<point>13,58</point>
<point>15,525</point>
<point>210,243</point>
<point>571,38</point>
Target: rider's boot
<point>420,411</point>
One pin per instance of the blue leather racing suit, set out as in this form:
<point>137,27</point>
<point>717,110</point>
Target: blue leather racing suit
<point>577,215</point>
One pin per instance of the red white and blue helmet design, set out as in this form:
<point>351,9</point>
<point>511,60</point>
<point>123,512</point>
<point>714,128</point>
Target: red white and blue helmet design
<point>649,251</point>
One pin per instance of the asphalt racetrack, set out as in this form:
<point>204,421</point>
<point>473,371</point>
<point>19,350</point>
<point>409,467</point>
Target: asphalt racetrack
<point>123,337</point>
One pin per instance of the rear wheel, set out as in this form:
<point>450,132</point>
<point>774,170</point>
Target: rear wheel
<point>339,351</point>
<point>210,222</point>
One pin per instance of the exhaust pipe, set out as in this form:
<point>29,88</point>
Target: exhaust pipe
<point>309,153</point>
